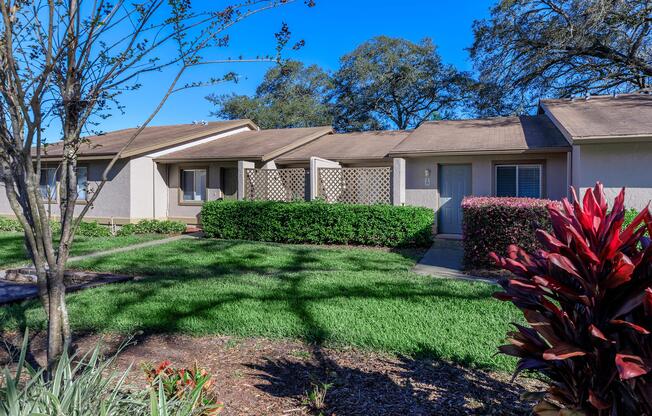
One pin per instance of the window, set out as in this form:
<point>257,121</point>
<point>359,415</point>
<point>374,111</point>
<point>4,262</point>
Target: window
<point>193,184</point>
<point>82,182</point>
<point>48,184</point>
<point>518,180</point>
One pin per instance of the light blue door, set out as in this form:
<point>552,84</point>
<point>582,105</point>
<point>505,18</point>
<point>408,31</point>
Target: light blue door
<point>454,185</point>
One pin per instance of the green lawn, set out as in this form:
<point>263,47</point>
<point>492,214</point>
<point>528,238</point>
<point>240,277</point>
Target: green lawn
<point>12,251</point>
<point>337,297</point>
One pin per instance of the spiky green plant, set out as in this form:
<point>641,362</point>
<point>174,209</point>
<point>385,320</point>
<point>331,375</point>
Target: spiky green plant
<point>86,385</point>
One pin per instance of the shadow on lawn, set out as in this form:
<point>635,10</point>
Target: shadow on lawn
<point>433,387</point>
<point>236,258</point>
<point>12,249</point>
<point>413,386</point>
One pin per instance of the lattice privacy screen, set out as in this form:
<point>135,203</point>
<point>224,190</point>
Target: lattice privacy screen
<point>356,185</point>
<point>275,184</point>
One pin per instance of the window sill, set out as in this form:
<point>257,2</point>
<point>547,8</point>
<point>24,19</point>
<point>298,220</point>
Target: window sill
<point>191,203</point>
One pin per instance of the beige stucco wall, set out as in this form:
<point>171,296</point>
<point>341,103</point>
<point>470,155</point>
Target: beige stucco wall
<point>189,212</point>
<point>418,193</point>
<point>617,165</point>
<point>113,201</point>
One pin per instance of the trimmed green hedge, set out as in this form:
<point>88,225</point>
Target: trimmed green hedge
<point>86,229</point>
<point>153,227</point>
<point>318,223</point>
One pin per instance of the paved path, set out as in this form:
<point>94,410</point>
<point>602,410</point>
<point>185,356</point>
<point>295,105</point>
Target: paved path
<point>444,259</point>
<point>11,292</point>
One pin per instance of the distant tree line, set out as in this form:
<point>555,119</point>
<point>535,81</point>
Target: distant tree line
<point>525,50</point>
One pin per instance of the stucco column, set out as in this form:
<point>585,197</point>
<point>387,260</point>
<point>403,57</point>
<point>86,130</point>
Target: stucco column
<point>315,164</point>
<point>242,165</point>
<point>398,181</point>
<point>576,168</point>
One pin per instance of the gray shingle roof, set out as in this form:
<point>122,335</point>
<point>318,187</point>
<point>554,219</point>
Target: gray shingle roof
<point>500,134</point>
<point>250,145</point>
<point>348,146</point>
<point>598,117</point>
<point>152,138</point>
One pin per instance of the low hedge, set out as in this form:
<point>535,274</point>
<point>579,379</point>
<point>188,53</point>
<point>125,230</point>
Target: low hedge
<point>85,229</point>
<point>491,224</point>
<point>153,227</point>
<point>10,225</point>
<point>318,223</point>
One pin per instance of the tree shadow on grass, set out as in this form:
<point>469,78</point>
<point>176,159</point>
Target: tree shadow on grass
<point>418,387</point>
<point>292,272</point>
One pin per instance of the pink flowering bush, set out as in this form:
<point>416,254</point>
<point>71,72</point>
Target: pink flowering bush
<point>492,224</point>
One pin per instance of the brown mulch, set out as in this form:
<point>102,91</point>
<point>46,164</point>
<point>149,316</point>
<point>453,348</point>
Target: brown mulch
<point>256,376</point>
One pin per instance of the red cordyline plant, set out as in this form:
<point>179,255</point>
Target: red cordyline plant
<point>587,297</point>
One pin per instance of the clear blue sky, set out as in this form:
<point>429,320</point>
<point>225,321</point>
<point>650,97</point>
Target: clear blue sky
<point>330,29</point>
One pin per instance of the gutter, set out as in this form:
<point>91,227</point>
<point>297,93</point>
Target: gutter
<point>421,153</point>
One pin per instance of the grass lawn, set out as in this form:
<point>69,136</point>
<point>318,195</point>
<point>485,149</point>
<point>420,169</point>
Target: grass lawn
<point>336,297</point>
<point>12,251</point>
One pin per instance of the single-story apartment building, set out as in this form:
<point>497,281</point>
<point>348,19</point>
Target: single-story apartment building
<point>168,172</point>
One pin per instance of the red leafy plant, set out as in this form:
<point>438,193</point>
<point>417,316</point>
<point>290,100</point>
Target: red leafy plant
<point>183,382</point>
<point>587,299</point>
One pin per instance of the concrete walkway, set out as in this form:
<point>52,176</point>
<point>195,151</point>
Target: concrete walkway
<point>12,292</point>
<point>444,259</point>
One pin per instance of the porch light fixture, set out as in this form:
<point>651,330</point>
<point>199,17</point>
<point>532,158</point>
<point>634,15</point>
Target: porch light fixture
<point>426,175</point>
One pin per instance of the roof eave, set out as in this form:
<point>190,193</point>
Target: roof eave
<point>385,158</point>
<point>188,138</point>
<point>421,153</point>
<point>252,158</point>
<point>626,138</point>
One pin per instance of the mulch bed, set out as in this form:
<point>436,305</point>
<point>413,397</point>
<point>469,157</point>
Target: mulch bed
<point>256,376</point>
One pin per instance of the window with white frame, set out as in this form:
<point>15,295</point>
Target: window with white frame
<point>82,183</point>
<point>48,184</point>
<point>518,180</point>
<point>193,184</point>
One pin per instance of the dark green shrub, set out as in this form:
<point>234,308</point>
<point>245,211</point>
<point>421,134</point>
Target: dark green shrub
<point>86,229</point>
<point>127,229</point>
<point>93,229</point>
<point>492,224</point>
<point>318,223</point>
<point>153,227</point>
<point>10,225</point>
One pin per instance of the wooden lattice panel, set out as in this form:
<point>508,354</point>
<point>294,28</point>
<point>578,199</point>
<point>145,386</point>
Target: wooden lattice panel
<point>356,185</point>
<point>275,184</point>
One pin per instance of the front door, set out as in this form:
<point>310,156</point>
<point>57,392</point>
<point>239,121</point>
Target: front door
<point>454,184</point>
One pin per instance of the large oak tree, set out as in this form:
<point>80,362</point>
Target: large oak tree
<point>394,83</point>
<point>559,48</point>
<point>290,95</point>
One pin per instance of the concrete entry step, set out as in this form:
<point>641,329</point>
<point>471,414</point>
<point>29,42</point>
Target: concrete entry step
<point>447,243</point>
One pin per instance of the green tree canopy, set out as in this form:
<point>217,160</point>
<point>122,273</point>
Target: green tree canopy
<point>558,48</point>
<point>394,83</point>
<point>291,95</point>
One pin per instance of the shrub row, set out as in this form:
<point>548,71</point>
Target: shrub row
<point>10,225</point>
<point>153,227</point>
<point>491,224</point>
<point>95,229</point>
<point>318,223</point>
<point>86,229</point>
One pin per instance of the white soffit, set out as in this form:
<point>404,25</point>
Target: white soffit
<point>197,142</point>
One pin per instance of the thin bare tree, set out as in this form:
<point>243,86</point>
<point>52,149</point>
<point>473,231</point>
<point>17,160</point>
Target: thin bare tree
<point>67,64</point>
